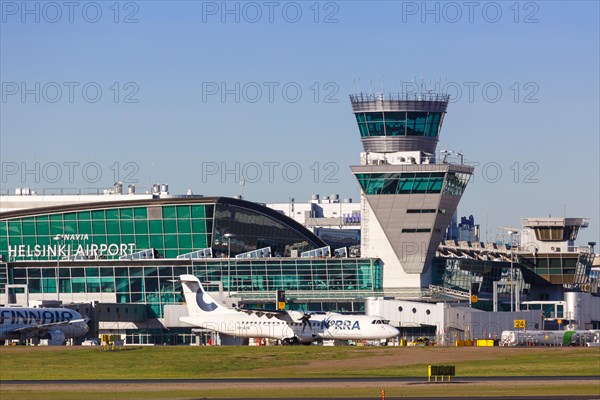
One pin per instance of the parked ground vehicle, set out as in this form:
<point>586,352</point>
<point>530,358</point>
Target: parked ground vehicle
<point>422,341</point>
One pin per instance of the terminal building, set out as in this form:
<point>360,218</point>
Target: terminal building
<point>122,253</point>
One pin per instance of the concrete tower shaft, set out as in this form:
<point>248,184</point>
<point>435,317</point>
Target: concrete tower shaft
<point>399,122</point>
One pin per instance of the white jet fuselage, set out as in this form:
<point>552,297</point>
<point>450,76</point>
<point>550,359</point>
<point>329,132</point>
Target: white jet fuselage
<point>21,323</point>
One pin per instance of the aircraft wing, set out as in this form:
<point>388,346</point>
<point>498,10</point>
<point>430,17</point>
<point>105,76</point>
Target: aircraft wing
<point>47,327</point>
<point>269,313</point>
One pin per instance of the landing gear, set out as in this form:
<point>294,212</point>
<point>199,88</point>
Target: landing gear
<point>290,341</point>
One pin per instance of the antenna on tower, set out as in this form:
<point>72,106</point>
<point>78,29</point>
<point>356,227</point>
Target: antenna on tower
<point>382,89</point>
<point>242,184</point>
<point>359,85</point>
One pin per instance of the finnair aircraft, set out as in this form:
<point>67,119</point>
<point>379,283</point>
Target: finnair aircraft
<point>291,327</point>
<point>56,324</point>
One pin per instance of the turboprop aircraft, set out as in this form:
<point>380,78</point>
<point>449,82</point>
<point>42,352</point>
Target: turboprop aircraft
<point>56,324</point>
<point>291,327</point>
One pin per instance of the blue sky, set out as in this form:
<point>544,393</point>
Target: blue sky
<point>198,94</point>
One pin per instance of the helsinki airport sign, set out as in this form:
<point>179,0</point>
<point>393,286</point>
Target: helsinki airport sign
<point>64,249</point>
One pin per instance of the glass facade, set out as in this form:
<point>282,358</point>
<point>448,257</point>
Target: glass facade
<point>297,274</point>
<point>91,253</point>
<point>338,238</point>
<point>108,233</point>
<point>456,183</point>
<point>556,233</point>
<point>115,232</point>
<point>399,123</point>
<point>459,274</point>
<point>558,268</point>
<point>156,282</point>
<point>401,183</point>
<point>250,230</point>
<point>413,182</point>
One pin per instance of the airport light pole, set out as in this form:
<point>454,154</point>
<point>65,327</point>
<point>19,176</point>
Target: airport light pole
<point>228,236</point>
<point>56,278</point>
<point>511,271</point>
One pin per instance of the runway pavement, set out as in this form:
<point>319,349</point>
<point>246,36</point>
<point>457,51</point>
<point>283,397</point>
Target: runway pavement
<point>328,385</point>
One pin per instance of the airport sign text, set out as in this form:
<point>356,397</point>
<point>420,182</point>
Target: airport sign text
<point>67,250</point>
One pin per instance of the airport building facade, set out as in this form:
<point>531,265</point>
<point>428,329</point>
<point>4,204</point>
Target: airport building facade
<point>126,257</point>
<point>134,251</point>
<point>124,252</point>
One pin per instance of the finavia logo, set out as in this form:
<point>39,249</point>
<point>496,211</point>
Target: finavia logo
<point>65,236</point>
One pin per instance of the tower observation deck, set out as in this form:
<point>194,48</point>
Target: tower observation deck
<point>407,197</point>
<point>399,122</point>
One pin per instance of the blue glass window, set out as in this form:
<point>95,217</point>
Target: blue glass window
<point>376,128</point>
<point>415,123</point>
<point>362,127</point>
<point>404,183</point>
<point>433,124</point>
<point>374,117</point>
<point>395,123</point>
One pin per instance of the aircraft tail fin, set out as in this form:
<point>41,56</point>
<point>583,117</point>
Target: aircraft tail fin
<point>197,300</point>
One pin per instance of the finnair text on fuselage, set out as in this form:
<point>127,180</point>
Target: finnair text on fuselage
<point>29,316</point>
<point>56,324</point>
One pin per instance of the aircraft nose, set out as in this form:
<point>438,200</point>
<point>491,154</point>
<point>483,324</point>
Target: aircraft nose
<point>392,332</point>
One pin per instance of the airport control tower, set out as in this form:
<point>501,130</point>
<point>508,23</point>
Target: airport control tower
<point>408,196</point>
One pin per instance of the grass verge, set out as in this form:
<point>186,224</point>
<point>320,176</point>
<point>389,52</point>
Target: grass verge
<point>56,363</point>
<point>31,363</point>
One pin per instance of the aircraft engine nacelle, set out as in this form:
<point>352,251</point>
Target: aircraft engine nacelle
<point>296,316</point>
<point>75,330</point>
<point>55,337</point>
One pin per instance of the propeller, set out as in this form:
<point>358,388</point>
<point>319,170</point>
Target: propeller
<point>304,320</point>
<point>299,317</point>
